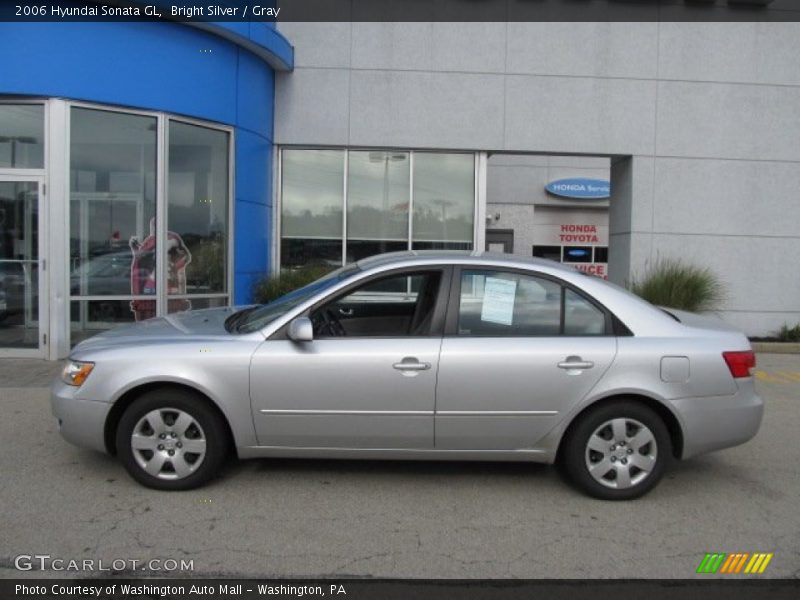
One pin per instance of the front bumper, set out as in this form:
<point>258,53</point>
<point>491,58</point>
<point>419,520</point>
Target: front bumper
<point>80,422</point>
<point>716,422</point>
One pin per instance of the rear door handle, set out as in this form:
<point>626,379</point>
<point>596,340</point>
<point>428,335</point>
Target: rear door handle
<point>575,362</point>
<point>411,364</point>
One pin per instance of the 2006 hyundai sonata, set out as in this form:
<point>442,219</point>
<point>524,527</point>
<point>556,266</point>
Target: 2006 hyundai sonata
<point>445,356</point>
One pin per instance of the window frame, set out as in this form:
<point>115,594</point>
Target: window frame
<point>439,309</point>
<point>478,199</point>
<point>613,326</point>
<point>163,119</point>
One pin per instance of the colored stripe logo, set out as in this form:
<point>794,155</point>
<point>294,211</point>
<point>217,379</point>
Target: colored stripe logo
<point>734,563</point>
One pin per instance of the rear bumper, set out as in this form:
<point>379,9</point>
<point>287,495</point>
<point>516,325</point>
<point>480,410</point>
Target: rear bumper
<point>80,422</point>
<point>716,422</point>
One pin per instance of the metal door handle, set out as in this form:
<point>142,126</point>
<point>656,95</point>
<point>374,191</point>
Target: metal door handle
<point>575,364</point>
<point>346,312</point>
<point>407,365</point>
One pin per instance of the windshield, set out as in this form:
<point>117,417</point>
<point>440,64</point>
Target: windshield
<point>262,315</point>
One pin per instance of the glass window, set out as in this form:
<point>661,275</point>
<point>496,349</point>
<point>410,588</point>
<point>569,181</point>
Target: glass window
<point>197,217</point>
<point>396,306</point>
<point>548,252</point>
<point>112,214</point>
<point>577,254</point>
<point>581,317</point>
<point>19,264</point>
<point>601,254</point>
<point>444,200</point>
<point>312,199</point>
<point>377,198</point>
<point>502,304</point>
<point>22,136</point>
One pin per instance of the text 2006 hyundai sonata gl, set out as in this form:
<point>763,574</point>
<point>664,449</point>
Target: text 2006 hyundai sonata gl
<point>419,356</point>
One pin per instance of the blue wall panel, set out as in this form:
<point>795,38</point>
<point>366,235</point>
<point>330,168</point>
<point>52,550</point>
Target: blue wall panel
<point>220,74</point>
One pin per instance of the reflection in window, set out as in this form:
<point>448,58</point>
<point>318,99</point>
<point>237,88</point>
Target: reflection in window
<point>197,216</point>
<point>22,136</point>
<point>312,199</point>
<point>112,211</point>
<point>444,200</point>
<point>377,203</point>
<point>378,200</point>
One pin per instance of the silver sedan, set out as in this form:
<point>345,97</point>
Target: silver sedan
<point>419,356</point>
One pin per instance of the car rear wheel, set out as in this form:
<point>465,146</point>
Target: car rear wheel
<point>617,451</point>
<point>171,439</point>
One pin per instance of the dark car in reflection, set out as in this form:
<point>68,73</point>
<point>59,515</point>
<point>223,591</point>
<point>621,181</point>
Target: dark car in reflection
<point>104,274</point>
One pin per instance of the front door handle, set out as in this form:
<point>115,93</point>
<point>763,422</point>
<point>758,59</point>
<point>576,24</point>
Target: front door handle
<point>409,363</point>
<point>575,362</point>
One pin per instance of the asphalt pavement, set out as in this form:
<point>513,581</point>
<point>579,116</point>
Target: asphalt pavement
<point>308,518</point>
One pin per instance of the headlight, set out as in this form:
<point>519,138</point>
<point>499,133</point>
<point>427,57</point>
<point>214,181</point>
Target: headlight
<point>75,373</point>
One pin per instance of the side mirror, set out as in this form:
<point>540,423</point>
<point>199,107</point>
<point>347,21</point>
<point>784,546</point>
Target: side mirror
<point>301,330</point>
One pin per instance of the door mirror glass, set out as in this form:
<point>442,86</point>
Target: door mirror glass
<point>301,330</point>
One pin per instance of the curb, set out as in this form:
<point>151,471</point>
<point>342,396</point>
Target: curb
<point>776,347</point>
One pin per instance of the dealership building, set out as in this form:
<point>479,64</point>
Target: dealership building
<point>146,168</point>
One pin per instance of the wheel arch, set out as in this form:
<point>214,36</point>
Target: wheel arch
<point>130,395</point>
<point>667,416</point>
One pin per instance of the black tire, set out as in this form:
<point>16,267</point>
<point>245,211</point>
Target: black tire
<point>576,456</point>
<point>208,425</point>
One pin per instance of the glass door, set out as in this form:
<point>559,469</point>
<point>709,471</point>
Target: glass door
<point>21,268</point>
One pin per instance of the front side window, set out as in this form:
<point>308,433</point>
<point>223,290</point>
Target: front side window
<point>507,304</point>
<point>393,306</point>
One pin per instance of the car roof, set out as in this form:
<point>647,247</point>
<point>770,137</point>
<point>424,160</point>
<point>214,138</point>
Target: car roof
<point>478,257</point>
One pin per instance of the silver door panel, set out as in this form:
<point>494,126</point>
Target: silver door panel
<point>345,392</point>
<point>512,388</point>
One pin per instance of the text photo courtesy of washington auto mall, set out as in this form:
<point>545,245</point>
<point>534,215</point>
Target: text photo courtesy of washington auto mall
<point>399,299</point>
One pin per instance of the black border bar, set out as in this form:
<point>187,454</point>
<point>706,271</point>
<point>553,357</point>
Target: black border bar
<point>400,10</point>
<point>742,588</point>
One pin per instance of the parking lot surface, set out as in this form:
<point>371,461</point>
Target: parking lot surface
<point>298,518</point>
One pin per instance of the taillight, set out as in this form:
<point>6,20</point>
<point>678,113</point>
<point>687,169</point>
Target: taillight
<point>741,364</point>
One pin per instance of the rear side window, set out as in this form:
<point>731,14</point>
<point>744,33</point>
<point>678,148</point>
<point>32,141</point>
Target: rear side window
<point>508,304</point>
<point>581,317</point>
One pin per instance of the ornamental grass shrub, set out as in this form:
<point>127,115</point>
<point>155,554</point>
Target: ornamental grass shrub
<point>288,280</point>
<point>675,284</point>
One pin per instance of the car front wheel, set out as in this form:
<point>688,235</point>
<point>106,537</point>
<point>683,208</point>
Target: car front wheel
<point>171,440</point>
<point>617,451</point>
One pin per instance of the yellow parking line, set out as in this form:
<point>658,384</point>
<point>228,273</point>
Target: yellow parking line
<point>770,378</point>
<point>792,375</point>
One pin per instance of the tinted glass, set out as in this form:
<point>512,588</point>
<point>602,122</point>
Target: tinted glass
<point>548,252</point>
<point>312,198</point>
<point>497,303</point>
<point>444,198</point>
<point>601,254</point>
<point>581,317</point>
<point>377,196</point>
<point>577,254</point>
<point>197,218</point>
<point>22,136</point>
<point>112,209</point>
<point>19,264</point>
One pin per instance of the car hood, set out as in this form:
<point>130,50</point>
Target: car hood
<point>190,324</point>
